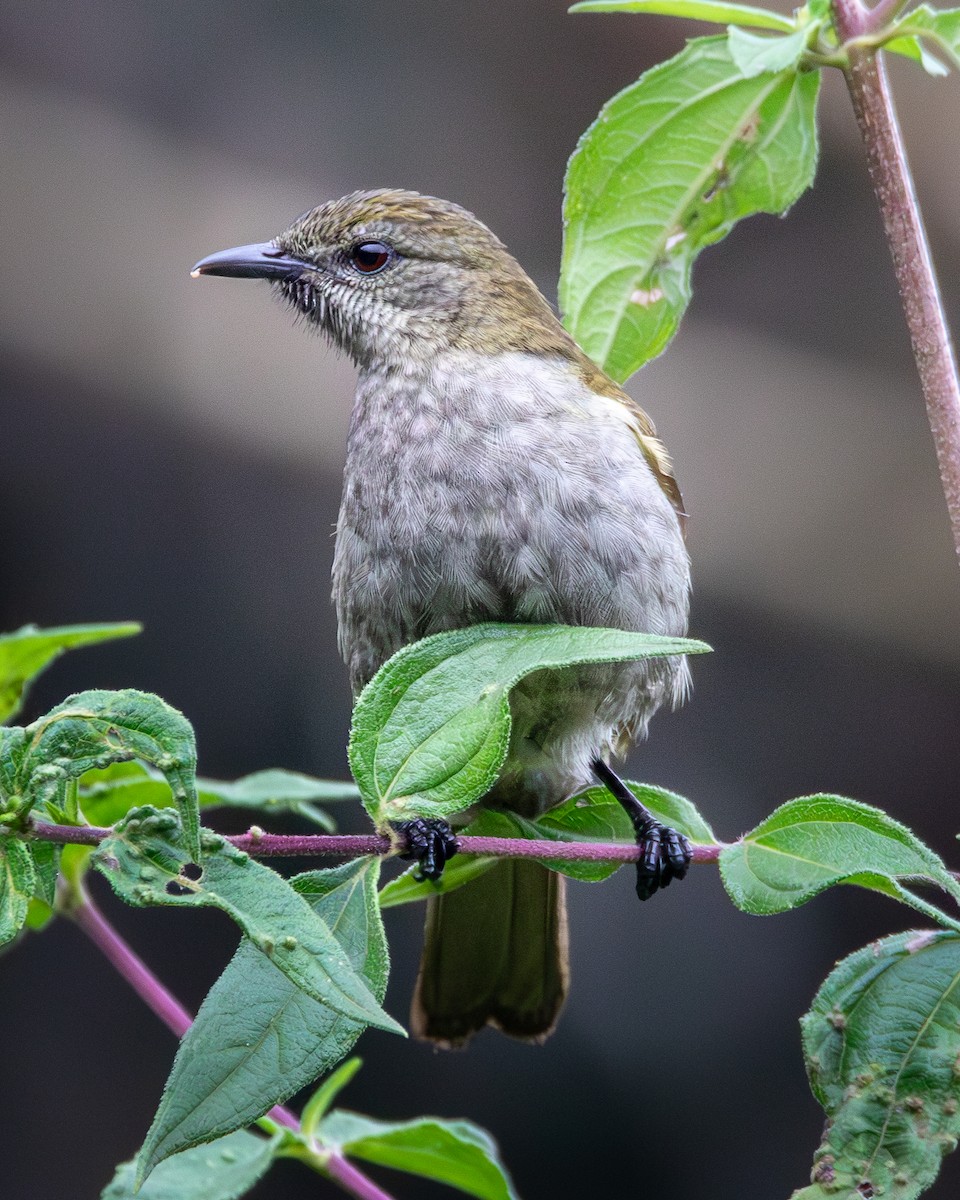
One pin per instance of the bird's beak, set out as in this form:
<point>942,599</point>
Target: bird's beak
<point>262,261</point>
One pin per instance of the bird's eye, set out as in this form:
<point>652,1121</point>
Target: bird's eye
<point>370,257</point>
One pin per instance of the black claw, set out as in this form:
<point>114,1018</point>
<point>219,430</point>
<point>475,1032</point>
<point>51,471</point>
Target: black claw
<point>665,853</point>
<point>431,842</point>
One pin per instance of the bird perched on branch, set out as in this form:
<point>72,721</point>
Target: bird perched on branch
<point>493,473</point>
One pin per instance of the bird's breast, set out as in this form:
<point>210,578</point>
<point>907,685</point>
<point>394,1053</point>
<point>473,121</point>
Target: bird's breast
<point>497,488</point>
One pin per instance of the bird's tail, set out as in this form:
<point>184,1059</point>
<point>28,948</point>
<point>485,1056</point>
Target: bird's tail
<point>495,953</point>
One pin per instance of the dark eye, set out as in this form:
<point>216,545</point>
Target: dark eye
<point>370,257</point>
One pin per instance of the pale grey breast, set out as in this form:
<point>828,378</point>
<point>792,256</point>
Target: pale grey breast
<point>501,488</point>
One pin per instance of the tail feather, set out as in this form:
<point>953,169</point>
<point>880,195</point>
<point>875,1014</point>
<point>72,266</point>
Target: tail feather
<point>495,953</point>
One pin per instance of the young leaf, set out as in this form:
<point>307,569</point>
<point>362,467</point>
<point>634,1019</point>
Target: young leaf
<point>432,728</point>
<point>941,26</point>
<point>694,10</point>
<point>221,1170</point>
<point>93,729</point>
<point>913,47</point>
<point>754,53</point>
<point>457,1153</point>
<point>144,861</point>
<point>815,842</point>
<point>881,1043</point>
<point>17,885</point>
<point>668,168</point>
<point>319,1103</point>
<point>24,654</point>
<point>258,1038</point>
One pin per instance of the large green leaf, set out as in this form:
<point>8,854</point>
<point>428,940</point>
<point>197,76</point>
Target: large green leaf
<point>694,10</point>
<point>815,842</point>
<point>96,728</point>
<point>882,1044</point>
<point>145,863</point>
<point>222,1170</point>
<point>668,168</point>
<point>258,1038</point>
<point>432,728</point>
<point>24,654</point>
<point>457,1153</point>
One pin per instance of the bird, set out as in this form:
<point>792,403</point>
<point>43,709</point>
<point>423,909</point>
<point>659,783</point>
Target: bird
<point>493,472</point>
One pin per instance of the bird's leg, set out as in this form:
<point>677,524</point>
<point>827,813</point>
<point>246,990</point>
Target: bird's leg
<point>430,841</point>
<point>665,853</point>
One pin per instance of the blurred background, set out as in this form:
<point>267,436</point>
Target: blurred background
<point>172,452</point>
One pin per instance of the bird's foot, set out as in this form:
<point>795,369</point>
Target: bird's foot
<point>665,854</point>
<point>430,841</point>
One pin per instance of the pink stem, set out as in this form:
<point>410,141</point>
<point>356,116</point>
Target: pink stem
<point>276,845</point>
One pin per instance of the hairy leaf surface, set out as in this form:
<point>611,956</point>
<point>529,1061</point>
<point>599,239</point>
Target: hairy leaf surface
<point>882,1044</point>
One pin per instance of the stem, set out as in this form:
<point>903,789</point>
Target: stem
<point>276,845</point>
<point>913,265</point>
<point>342,1171</point>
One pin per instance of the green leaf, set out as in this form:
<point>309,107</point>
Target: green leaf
<point>95,728</point>
<point>319,1103</point>
<point>144,862</point>
<point>46,868</point>
<point>457,1153</point>
<point>815,842</point>
<point>24,654</point>
<point>693,10</point>
<point>754,54</point>
<point>939,26</point>
<point>221,1170</point>
<point>277,791</point>
<point>668,168</point>
<point>258,1038</point>
<point>17,885</point>
<point>595,816</point>
<point>432,728</point>
<point>913,47</point>
<point>882,1044</point>
<point>107,795</point>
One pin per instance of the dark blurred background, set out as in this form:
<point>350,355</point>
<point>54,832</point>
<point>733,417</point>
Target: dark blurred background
<point>172,452</point>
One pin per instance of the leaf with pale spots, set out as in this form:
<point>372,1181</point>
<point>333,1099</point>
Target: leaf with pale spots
<point>96,728</point>
<point>146,864</point>
<point>882,1047</point>
<point>432,728</point>
<point>258,1037</point>
<point>668,168</point>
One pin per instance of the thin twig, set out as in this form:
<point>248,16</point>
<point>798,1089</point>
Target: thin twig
<point>277,845</point>
<point>913,265</point>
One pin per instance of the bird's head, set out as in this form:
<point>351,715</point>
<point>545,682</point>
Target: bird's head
<point>393,278</point>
